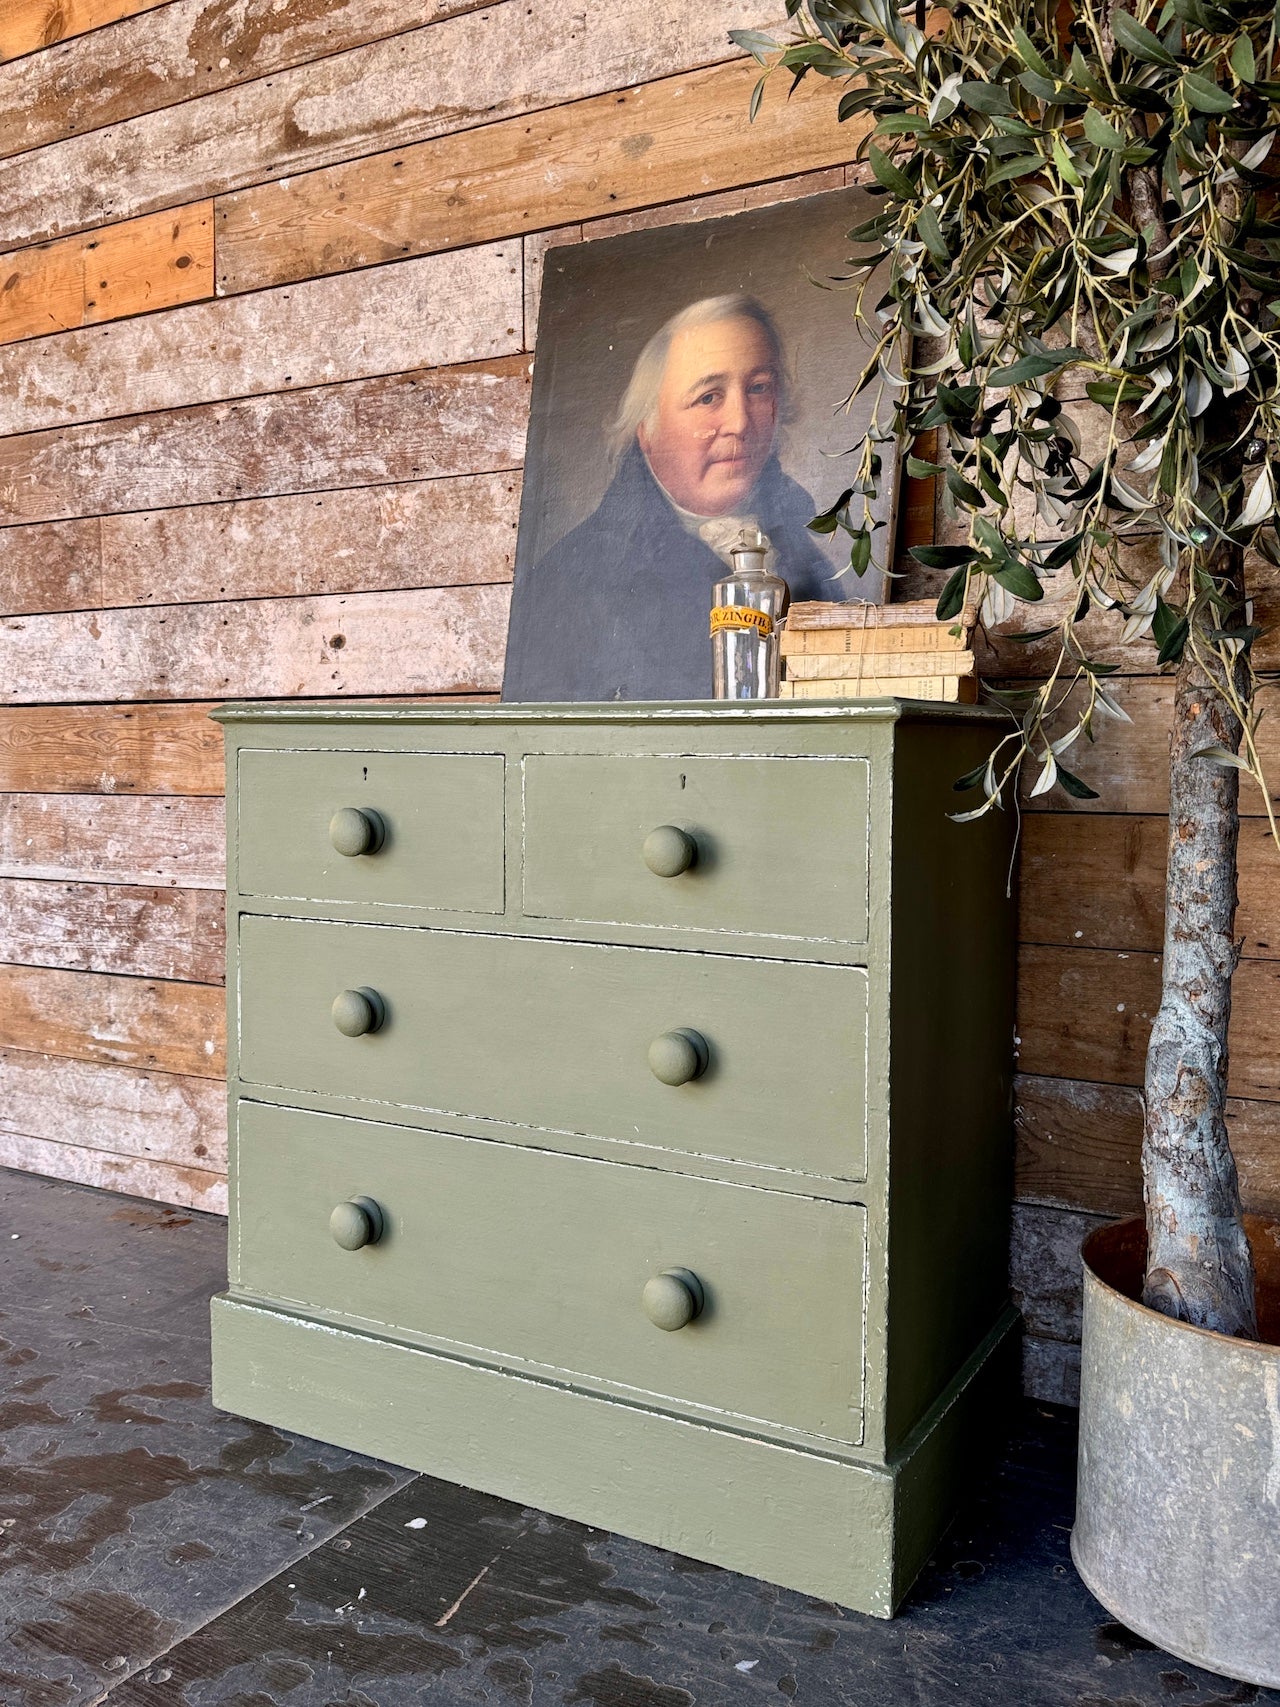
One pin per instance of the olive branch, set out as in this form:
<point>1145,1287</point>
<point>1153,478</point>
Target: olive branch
<point>1076,269</point>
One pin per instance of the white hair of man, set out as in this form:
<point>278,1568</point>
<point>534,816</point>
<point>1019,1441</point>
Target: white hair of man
<point>639,406</point>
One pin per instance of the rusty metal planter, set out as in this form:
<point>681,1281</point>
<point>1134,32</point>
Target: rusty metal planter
<point>1178,1505</point>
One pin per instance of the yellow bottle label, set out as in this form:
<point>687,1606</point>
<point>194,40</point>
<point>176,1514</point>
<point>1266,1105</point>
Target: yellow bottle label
<point>742,616</point>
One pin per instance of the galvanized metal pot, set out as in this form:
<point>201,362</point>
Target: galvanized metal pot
<point>1178,1503</point>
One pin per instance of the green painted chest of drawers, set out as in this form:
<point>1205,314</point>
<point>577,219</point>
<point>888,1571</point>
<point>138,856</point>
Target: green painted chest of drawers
<point>620,1114</point>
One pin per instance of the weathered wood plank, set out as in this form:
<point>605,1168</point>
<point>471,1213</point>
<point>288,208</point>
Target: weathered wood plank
<point>768,194</point>
<point>114,838</point>
<point>1128,763</point>
<point>378,432</point>
<point>432,312</point>
<point>163,1117</point>
<point>158,1182</point>
<point>117,749</point>
<point>450,75</point>
<point>1093,880</point>
<point>998,659</point>
<point>28,25</point>
<point>42,289</point>
<point>1098,882</point>
<point>436,641</point>
<point>1086,1013</point>
<point>1079,1146</point>
<point>424,533</point>
<point>1000,655</point>
<point>682,136</point>
<point>110,927</point>
<point>429,533</point>
<point>54,567</point>
<point>125,1022</point>
<point>195,47</point>
<point>1050,1371</point>
<point>159,261</point>
<point>1044,1267</point>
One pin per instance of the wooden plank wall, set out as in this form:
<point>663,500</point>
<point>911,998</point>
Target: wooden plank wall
<point>268,292</point>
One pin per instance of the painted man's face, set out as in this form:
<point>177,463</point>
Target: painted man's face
<point>717,413</point>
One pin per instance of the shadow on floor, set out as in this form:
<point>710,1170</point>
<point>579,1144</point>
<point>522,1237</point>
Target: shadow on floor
<point>155,1552</point>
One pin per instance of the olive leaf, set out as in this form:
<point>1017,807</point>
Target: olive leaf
<point>757,44</point>
<point>1017,579</point>
<point>1260,503</point>
<point>888,174</point>
<point>1221,756</point>
<point>1205,96</point>
<point>931,233</point>
<point>943,556</point>
<point>1100,132</point>
<point>1026,368</point>
<point>1028,52</point>
<point>1138,40</point>
<point>1073,785</point>
<point>1243,59</point>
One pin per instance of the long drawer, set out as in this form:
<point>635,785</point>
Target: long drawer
<point>567,1038</point>
<point>776,847</point>
<point>541,1261</point>
<point>374,829</point>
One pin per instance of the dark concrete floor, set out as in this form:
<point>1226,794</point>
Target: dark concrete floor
<point>155,1552</point>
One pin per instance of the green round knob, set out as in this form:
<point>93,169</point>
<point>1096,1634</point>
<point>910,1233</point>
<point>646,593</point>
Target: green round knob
<point>356,1012</point>
<point>356,1223</point>
<point>668,851</point>
<point>678,1056</point>
<point>672,1299</point>
<point>356,830</point>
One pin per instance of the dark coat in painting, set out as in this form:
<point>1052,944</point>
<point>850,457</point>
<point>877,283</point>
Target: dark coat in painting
<point>620,608</point>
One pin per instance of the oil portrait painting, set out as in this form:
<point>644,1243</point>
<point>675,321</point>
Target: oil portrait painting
<point>683,396</point>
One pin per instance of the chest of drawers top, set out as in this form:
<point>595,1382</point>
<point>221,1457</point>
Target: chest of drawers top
<point>761,831</point>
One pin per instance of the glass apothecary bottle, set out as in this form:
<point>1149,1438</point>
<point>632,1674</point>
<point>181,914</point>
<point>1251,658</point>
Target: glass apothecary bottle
<point>746,608</point>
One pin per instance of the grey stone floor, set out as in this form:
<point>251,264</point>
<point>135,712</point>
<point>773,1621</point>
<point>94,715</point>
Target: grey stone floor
<point>155,1552</point>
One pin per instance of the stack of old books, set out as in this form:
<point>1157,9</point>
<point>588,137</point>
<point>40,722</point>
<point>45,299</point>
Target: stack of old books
<point>864,651</point>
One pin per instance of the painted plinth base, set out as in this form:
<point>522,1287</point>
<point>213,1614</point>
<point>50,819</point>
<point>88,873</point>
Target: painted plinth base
<point>854,1532</point>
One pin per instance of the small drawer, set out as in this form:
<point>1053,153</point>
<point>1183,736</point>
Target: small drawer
<point>541,1260</point>
<point>570,1038</point>
<point>778,845</point>
<point>381,829</point>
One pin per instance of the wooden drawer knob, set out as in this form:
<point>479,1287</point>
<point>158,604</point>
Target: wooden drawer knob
<point>678,1056</point>
<point>357,830</point>
<point>357,1223</point>
<point>668,851</point>
<point>672,1299</point>
<point>356,1012</point>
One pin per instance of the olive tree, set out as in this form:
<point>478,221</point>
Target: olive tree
<point>1077,201</point>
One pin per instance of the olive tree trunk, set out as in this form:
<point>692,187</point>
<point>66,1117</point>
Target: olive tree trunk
<point>1199,1267</point>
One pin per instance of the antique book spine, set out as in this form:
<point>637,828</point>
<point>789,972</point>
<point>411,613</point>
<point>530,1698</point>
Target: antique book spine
<point>957,689</point>
<point>854,642</point>
<point>913,613</point>
<point>836,666</point>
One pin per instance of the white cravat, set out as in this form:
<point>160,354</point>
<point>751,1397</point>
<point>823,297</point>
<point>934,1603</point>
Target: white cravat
<point>722,533</point>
